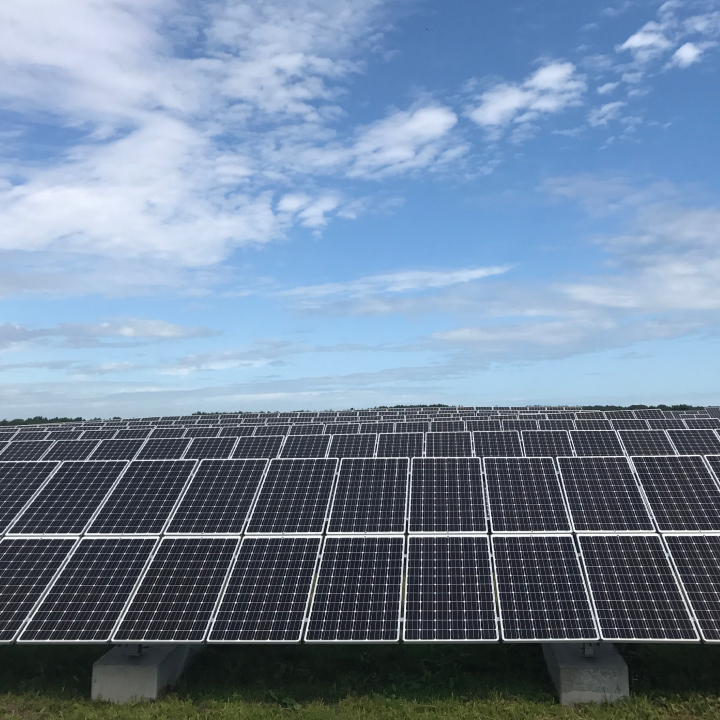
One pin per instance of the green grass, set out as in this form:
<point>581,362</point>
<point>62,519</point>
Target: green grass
<point>400,681</point>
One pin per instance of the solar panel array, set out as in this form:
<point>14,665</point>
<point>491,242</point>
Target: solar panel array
<point>430,524</point>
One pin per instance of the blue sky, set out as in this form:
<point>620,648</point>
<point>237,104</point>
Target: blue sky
<point>344,203</point>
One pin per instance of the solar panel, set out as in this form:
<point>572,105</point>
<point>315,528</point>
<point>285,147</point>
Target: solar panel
<point>556,425</point>
<point>218,498</point>
<point>168,432</point>
<point>483,425</point>
<point>70,498</point>
<point>448,444</point>
<point>26,568</point>
<point>139,433</point>
<point>525,495</point>
<point>352,446</point>
<point>400,445</point>
<point>697,559</point>
<point>634,591</point>
<point>237,431</point>
<point>449,594</point>
<point>702,423</point>
<point>210,448</point>
<point>294,497</point>
<point>446,495</point>
<point>268,592</point>
<point>177,594</point>
<point>19,481</point>
<point>695,442</point>
<point>26,435</point>
<point>596,442</point>
<point>603,495</point>
<point>86,599</point>
<point>629,424</point>
<point>258,447</point>
<point>541,591</point>
<point>371,496</point>
<point>593,425</point>
<point>64,435</point>
<point>498,444</point>
<point>546,443</point>
<point>666,424</point>
<point>207,431</point>
<point>358,591</point>
<point>519,424</point>
<point>98,434</point>
<point>341,428</point>
<point>163,449</point>
<point>377,427</point>
<point>681,491</point>
<point>305,446</point>
<point>413,426</point>
<point>307,429</point>
<point>22,450</point>
<point>261,430</point>
<point>646,442</point>
<point>71,450</point>
<point>116,450</point>
<point>447,426</point>
<point>143,500</point>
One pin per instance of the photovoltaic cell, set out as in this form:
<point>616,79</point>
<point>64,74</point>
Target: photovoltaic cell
<point>86,599</point>
<point>98,434</point>
<point>400,445</point>
<point>695,442</point>
<point>352,446</point>
<point>268,591</point>
<point>646,442</point>
<point>341,428</point>
<point>629,424</point>
<point>633,588</point>
<point>448,444</point>
<point>237,431</point>
<point>294,497</point>
<point>258,447</point>
<point>133,433</point>
<point>307,429</point>
<point>483,425</point>
<point>446,495</point>
<point>697,559</point>
<point>603,495</point>
<point>412,426</point>
<point>358,590</point>
<point>498,444</point>
<point>546,443</point>
<point>218,498</point>
<point>69,499</point>
<point>168,432</point>
<point>519,425</point>
<point>449,593</point>
<point>18,483</point>
<point>64,435</point>
<point>447,426</point>
<point>203,432</point>
<point>178,592</point>
<point>25,450</point>
<point>26,568</point>
<point>681,491</point>
<point>556,425</point>
<point>144,498</point>
<point>666,424</point>
<point>377,427</point>
<point>201,448</point>
<point>371,496</point>
<point>71,450</point>
<point>525,495</point>
<point>163,449</point>
<point>116,450</point>
<point>271,430</point>
<point>541,591</point>
<point>600,443</point>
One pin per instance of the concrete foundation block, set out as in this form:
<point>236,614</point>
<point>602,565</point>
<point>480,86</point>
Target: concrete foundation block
<point>603,677</point>
<point>121,677</point>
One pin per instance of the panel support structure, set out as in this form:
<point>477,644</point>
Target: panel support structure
<point>582,677</point>
<point>123,675</point>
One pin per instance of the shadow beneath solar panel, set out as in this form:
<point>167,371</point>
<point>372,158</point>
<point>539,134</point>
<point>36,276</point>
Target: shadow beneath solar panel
<point>331,674</point>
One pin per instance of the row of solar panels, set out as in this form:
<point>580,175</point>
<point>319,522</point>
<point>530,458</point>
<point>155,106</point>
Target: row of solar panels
<point>531,443</point>
<point>362,495</point>
<point>209,431</point>
<point>369,588</point>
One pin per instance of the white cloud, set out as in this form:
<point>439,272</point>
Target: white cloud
<point>648,42</point>
<point>607,88</point>
<point>605,113</point>
<point>189,122</point>
<point>686,55</point>
<point>550,89</point>
<point>313,296</point>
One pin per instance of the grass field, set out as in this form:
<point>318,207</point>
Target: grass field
<point>400,681</point>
